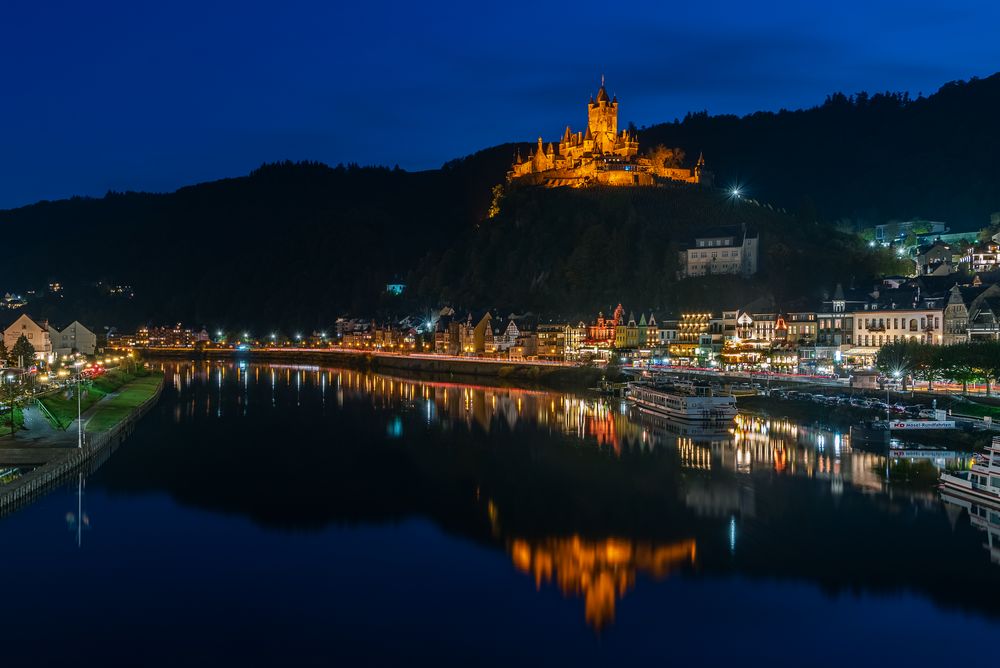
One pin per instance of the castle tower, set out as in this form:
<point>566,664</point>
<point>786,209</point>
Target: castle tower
<point>602,120</point>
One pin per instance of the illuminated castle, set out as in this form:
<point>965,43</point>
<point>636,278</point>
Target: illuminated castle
<point>601,155</point>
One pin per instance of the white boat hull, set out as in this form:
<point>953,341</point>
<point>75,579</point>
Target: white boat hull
<point>962,487</point>
<point>702,410</point>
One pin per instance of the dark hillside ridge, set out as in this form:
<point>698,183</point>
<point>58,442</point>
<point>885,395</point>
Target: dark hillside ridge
<point>296,245</point>
<point>568,252</point>
<point>865,158</point>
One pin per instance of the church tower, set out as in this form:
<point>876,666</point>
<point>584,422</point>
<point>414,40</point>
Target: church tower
<point>602,120</point>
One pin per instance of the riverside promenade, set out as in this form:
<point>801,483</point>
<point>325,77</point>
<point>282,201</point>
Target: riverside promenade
<point>50,455</point>
<point>553,373</point>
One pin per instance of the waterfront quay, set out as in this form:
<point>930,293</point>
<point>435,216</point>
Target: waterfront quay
<point>52,455</point>
<point>541,371</point>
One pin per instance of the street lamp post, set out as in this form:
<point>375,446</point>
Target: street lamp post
<point>79,405</point>
<point>9,395</point>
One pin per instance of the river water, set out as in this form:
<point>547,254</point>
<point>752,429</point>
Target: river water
<point>288,515</point>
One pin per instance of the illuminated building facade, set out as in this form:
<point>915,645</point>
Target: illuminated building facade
<point>694,337</point>
<point>602,332</point>
<point>729,249</point>
<point>600,155</point>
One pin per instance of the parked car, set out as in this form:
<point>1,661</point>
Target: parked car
<point>927,413</point>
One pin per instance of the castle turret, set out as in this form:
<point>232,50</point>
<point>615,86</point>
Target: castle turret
<point>598,154</point>
<point>602,120</point>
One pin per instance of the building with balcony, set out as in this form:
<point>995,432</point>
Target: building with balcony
<point>730,249</point>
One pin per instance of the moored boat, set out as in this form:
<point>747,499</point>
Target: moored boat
<point>688,403</point>
<point>981,482</point>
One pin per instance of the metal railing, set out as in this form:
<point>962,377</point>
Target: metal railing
<point>95,451</point>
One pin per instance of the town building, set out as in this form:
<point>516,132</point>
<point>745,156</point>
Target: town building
<point>730,249</point>
<point>985,257</point>
<point>600,155</point>
<point>39,335</point>
<point>602,332</point>
<point>552,341</point>
<point>576,336</point>
<point>627,334</point>
<point>876,328</point>
<point>694,337</point>
<point>75,338</point>
<point>801,327</point>
<point>935,259</point>
<point>984,322</point>
<point>177,336</point>
<point>664,336</point>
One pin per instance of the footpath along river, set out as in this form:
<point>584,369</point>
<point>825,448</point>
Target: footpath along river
<point>265,514</point>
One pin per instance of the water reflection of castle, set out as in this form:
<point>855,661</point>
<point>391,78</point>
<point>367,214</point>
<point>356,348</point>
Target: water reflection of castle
<point>721,470</point>
<point>601,571</point>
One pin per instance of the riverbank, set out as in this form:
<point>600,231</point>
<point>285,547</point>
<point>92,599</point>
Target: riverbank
<point>61,405</point>
<point>108,423</point>
<point>843,417</point>
<point>550,374</point>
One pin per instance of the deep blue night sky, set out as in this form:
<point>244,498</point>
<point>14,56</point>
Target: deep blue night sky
<point>151,96</point>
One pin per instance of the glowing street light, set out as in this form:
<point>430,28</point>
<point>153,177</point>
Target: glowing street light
<point>79,405</point>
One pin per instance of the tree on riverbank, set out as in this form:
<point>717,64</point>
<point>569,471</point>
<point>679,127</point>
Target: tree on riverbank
<point>23,352</point>
<point>962,362</point>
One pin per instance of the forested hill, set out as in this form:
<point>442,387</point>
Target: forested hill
<point>864,158</point>
<point>567,252</point>
<point>290,244</point>
<point>296,245</point>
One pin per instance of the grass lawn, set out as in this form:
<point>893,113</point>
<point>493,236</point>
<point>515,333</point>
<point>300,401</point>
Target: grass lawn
<point>62,404</point>
<point>5,421</point>
<point>113,410</point>
<point>976,409</point>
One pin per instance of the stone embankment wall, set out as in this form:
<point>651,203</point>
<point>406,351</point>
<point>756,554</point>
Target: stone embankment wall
<point>95,451</point>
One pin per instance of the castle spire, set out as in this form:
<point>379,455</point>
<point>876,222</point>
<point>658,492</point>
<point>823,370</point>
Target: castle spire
<point>602,94</point>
